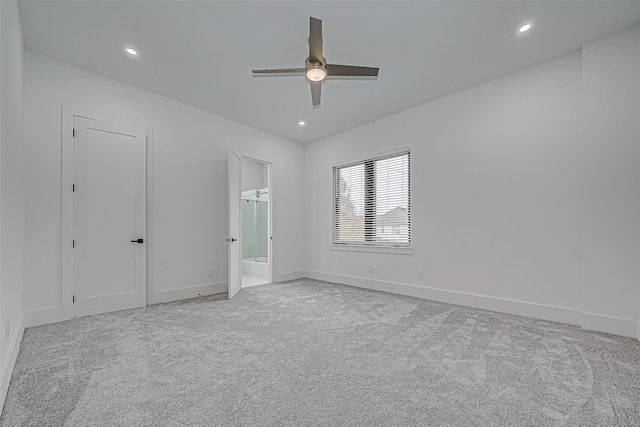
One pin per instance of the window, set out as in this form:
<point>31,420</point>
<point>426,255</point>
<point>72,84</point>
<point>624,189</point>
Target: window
<point>372,201</point>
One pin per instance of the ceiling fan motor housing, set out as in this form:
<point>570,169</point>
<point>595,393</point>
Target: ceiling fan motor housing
<point>312,76</point>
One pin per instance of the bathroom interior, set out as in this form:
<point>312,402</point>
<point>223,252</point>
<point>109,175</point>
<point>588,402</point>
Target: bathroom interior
<point>256,257</point>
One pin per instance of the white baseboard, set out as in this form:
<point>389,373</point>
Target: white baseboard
<point>289,275</point>
<point>590,321</point>
<point>177,294</point>
<point>10,361</point>
<point>57,314</point>
<point>610,325</point>
<point>538,311</point>
<point>45,316</point>
<point>628,328</point>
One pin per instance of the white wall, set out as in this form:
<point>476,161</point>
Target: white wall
<point>11,190</point>
<point>611,153</point>
<point>494,207</point>
<point>189,215</point>
<point>254,175</point>
<point>512,208</point>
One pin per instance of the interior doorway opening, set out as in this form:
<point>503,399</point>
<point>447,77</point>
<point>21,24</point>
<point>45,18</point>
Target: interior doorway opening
<point>255,213</point>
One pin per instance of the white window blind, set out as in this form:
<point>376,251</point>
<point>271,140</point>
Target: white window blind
<point>372,201</point>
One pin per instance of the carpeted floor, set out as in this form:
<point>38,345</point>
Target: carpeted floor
<point>313,353</point>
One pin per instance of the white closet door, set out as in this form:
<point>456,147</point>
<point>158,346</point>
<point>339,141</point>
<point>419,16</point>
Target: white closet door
<point>109,212</point>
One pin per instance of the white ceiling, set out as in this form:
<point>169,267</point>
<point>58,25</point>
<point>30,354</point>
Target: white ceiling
<point>201,53</point>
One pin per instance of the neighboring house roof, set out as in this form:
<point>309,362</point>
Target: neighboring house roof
<point>396,216</point>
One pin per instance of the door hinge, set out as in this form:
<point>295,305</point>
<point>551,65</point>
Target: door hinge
<point>74,132</point>
<point>73,188</point>
<point>74,299</point>
<point>73,243</point>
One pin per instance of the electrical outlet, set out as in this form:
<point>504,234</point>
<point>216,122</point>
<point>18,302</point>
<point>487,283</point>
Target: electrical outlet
<point>420,275</point>
<point>211,272</point>
<point>370,269</point>
<point>216,272</point>
<point>6,331</point>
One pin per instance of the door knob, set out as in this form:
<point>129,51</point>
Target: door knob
<point>138,241</point>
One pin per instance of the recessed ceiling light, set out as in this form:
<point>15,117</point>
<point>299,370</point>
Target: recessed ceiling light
<point>132,52</point>
<point>525,28</point>
<point>301,123</point>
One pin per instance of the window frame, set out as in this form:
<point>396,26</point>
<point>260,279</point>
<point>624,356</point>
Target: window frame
<point>368,163</point>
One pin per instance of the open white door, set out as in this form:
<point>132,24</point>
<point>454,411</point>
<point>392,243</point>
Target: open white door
<point>235,255</point>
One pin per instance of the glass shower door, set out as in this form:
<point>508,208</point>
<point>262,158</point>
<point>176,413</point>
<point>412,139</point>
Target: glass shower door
<point>255,225</point>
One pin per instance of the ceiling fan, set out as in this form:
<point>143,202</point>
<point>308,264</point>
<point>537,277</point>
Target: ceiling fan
<point>316,69</point>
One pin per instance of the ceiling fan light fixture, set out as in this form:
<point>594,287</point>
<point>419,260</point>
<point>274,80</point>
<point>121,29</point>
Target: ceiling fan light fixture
<point>316,68</point>
<point>316,73</point>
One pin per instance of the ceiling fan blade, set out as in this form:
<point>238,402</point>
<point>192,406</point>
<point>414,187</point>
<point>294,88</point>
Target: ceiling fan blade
<point>352,71</point>
<point>315,40</point>
<point>315,93</point>
<point>282,72</point>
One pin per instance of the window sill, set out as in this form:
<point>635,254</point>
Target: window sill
<point>377,249</point>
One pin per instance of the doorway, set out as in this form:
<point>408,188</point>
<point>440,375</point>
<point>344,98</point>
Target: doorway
<point>255,207</point>
<point>109,217</point>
